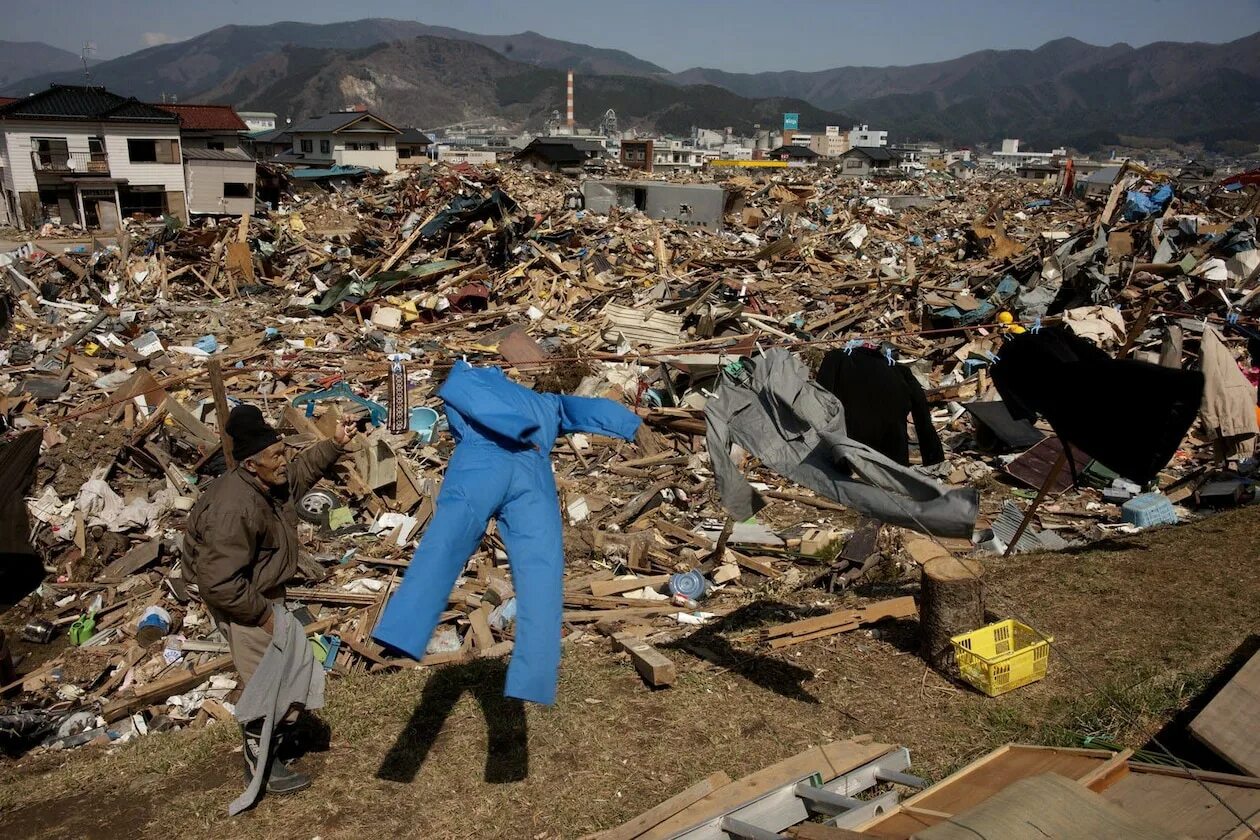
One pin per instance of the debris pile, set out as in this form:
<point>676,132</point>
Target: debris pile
<point>119,361</point>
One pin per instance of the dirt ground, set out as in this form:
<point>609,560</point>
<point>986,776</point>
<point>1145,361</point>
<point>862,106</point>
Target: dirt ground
<point>1142,624</point>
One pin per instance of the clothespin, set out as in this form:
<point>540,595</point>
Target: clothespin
<point>1231,317</point>
<point>852,345</point>
<point>1036,326</point>
<point>888,354</point>
<point>993,357</point>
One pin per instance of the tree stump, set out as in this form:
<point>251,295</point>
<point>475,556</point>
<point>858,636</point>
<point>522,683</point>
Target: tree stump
<point>951,601</point>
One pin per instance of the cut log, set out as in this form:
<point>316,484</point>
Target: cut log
<point>951,602</point>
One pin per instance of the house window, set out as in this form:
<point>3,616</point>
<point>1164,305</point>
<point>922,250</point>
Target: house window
<point>96,149</point>
<point>325,147</point>
<point>214,145</point>
<point>853,163</point>
<point>153,151</point>
<point>50,152</point>
<point>238,190</point>
<point>308,146</point>
<point>403,153</point>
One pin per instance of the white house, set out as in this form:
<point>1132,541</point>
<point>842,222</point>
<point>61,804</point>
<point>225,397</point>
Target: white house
<point>861,136</point>
<point>87,156</point>
<point>258,120</point>
<point>219,176</point>
<point>344,138</point>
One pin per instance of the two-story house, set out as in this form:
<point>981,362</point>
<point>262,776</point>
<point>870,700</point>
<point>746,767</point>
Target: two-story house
<point>90,157</point>
<point>344,138</point>
<point>219,176</point>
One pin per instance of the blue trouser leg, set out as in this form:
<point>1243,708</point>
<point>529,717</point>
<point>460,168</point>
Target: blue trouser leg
<point>476,481</point>
<point>529,522</point>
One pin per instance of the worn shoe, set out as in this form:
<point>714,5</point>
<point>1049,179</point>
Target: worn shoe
<point>281,779</point>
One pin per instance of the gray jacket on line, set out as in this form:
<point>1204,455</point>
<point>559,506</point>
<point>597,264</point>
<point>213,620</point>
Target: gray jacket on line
<point>796,427</point>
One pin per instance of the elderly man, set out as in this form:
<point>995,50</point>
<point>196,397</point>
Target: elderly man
<point>241,547</point>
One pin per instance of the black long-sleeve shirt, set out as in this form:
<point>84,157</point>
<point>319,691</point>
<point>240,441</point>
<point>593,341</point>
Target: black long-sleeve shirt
<point>877,397</point>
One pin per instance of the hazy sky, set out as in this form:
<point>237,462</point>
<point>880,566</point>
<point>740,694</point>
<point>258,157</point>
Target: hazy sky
<point>739,35</point>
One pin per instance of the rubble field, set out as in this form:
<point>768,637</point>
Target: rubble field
<point>693,641</point>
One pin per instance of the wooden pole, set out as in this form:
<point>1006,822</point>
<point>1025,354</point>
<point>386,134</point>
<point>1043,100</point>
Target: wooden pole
<point>221,412</point>
<point>1055,469</point>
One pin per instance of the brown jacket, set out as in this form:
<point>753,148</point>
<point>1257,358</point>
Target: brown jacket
<point>241,544</point>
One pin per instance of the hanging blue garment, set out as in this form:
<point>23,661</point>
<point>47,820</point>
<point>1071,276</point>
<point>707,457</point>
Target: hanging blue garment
<point>501,468</point>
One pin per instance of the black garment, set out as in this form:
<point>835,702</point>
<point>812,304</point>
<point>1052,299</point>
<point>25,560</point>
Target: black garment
<point>1129,415</point>
<point>249,431</point>
<point>877,397</point>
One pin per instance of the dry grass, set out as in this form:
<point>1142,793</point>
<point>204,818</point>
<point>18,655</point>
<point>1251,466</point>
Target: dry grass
<point>1144,621</point>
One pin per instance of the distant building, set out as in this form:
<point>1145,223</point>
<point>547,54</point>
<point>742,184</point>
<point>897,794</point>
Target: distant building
<point>462,154</point>
<point>862,135</point>
<point>674,156</point>
<point>413,147</point>
<point>258,120</point>
<point>637,154</point>
<point>831,143</point>
<point>1011,158</point>
<point>1037,172</point>
<point>1096,184</point>
<point>561,154</point>
<point>962,169</point>
<point>800,155</point>
<point>344,138</point>
<point>692,204</point>
<point>864,161</point>
<point>221,182</point>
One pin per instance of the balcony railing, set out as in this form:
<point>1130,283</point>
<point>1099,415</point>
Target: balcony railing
<point>66,162</point>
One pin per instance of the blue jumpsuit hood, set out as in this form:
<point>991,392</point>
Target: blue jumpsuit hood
<point>504,433</point>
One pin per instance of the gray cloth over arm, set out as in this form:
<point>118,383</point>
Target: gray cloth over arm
<point>796,427</point>
<point>287,676</point>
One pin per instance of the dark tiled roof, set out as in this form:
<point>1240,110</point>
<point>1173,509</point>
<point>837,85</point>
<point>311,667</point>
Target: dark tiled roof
<point>338,120</point>
<point>206,117</point>
<point>414,135</point>
<point>79,102</point>
<point>802,152</point>
<point>562,151</point>
<point>217,154</point>
<point>876,153</point>
<point>276,135</point>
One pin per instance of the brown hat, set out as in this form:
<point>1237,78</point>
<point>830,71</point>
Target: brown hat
<point>249,432</point>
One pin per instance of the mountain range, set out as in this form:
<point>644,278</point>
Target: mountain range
<point>20,59</point>
<point>1064,92</point>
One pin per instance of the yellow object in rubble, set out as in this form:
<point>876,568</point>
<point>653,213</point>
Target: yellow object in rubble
<point>1007,322</point>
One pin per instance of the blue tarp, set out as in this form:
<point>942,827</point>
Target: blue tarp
<point>1139,205</point>
<point>332,172</point>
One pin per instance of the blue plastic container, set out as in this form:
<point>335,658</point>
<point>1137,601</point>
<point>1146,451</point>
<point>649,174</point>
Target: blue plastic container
<point>1147,510</point>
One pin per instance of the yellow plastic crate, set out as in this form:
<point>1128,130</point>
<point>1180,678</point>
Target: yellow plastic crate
<point>1002,656</point>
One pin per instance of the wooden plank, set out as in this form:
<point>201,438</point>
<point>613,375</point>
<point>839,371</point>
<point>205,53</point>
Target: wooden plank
<point>655,667</point>
<point>479,619</point>
<point>1169,798</point>
<point>1045,807</point>
<point>653,817</point>
<point>818,831</point>
<point>221,411</point>
<point>1227,725</point>
<point>903,607</point>
<point>605,588</point>
<point>828,761</point>
<point>1106,774</point>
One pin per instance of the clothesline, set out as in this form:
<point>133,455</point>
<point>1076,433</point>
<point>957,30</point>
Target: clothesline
<point>668,353</point>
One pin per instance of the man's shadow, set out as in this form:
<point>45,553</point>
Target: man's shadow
<point>507,757</point>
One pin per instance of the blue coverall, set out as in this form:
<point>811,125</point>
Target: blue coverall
<point>500,468</point>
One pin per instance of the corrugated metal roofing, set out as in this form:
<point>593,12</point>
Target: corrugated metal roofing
<point>217,154</point>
